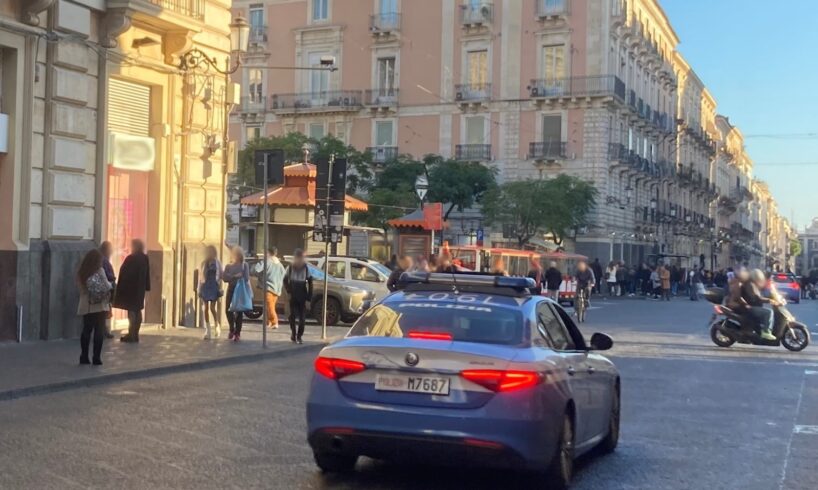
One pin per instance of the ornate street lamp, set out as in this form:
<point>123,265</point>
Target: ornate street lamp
<point>239,40</point>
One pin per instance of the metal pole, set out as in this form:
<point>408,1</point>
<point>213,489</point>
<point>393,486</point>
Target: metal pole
<point>326,250</point>
<point>433,243</point>
<point>265,313</point>
<point>19,323</point>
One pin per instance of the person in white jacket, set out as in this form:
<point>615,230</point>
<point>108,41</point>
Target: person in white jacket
<point>275,281</point>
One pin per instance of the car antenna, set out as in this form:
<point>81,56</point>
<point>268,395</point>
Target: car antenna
<point>455,289</point>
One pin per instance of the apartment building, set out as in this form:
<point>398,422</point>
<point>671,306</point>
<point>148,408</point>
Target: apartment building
<point>109,139</point>
<point>535,88</point>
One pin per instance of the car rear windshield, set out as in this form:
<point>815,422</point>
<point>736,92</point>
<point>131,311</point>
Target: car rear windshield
<point>783,278</point>
<point>481,321</point>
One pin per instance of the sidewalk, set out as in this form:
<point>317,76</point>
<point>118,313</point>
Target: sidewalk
<point>35,368</point>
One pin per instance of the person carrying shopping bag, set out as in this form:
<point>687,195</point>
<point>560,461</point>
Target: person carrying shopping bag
<point>239,297</point>
<point>94,304</point>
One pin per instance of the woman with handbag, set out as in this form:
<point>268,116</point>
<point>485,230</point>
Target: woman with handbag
<point>94,304</point>
<point>210,290</point>
<point>237,277</point>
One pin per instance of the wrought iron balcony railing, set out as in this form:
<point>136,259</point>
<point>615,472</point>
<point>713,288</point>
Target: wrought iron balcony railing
<point>253,104</point>
<point>473,153</point>
<point>188,8</point>
<point>342,100</point>
<point>383,154</point>
<point>384,23</point>
<point>552,8</point>
<point>617,152</point>
<point>547,150</point>
<point>472,92</point>
<point>258,34</point>
<point>382,97</point>
<point>476,14</point>
<point>593,86</point>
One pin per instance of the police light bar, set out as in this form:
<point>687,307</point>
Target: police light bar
<point>466,279</point>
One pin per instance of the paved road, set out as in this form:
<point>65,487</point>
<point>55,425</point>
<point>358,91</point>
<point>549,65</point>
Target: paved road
<point>694,416</point>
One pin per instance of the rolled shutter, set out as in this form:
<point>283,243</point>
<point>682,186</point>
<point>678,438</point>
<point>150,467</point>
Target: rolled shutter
<point>129,107</point>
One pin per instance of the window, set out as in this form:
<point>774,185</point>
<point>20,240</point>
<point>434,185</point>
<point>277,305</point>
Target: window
<point>252,133</point>
<point>320,10</point>
<point>317,131</point>
<point>255,85</point>
<point>363,273</point>
<point>475,130</point>
<point>552,129</point>
<point>319,79</point>
<point>478,69</point>
<point>384,133</point>
<point>256,16</point>
<point>552,329</point>
<point>337,269</point>
<point>553,65</point>
<point>388,6</point>
<point>386,75</point>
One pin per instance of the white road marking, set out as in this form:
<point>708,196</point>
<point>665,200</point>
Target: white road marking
<point>808,373</point>
<point>789,443</point>
<point>806,429</point>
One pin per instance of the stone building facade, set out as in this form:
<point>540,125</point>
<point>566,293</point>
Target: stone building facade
<point>592,88</point>
<point>109,140</point>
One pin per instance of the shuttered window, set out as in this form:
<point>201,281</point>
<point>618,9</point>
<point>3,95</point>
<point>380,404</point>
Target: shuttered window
<point>129,107</point>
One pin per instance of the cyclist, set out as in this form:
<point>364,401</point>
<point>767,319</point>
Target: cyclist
<point>585,279</point>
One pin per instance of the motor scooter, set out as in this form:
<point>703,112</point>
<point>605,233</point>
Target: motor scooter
<point>728,327</point>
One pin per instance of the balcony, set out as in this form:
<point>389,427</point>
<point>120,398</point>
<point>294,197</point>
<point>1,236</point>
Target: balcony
<point>547,150</point>
<point>187,8</point>
<point>472,153</point>
<point>331,101</point>
<point>255,104</point>
<point>576,87</point>
<point>617,152</point>
<point>472,92</point>
<point>382,98</point>
<point>258,35</point>
<point>384,24</point>
<point>476,15</point>
<point>632,99</point>
<point>383,154</point>
<point>547,9</point>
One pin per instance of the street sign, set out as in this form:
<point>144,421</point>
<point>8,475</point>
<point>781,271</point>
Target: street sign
<point>421,187</point>
<point>479,237</point>
<point>433,216</point>
<point>328,221</point>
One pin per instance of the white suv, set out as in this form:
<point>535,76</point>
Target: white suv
<point>360,272</point>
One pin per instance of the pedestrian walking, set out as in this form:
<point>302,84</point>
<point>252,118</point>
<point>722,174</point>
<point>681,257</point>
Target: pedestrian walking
<point>235,273</point>
<point>675,277</point>
<point>107,251</point>
<point>535,272</point>
<point>94,304</point>
<point>275,283</point>
<point>621,278</point>
<point>664,276</point>
<point>298,284</point>
<point>596,268</point>
<point>610,278</point>
<point>498,267</point>
<point>210,291</point>
<point>631,281</point>
<point>656,283</point>
<point>694,283</point>
<point>553,280</point>
<point>134,282</point>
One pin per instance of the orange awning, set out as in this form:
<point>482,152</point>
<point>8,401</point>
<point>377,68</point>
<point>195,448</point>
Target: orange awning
<point>297,197</point>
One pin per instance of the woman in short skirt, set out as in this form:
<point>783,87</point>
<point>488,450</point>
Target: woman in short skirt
<point>210,290</point>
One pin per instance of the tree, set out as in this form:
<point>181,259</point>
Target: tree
<point>461,185</point>
<point>795,247</point>
<point>392,193</point>
<point>291,143</point>
<point>534,207</point>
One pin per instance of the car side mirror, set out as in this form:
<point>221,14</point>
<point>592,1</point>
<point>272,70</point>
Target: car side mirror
<point>601,341</point>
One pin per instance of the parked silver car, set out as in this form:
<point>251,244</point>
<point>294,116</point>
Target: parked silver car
<point>345,301</point>
<point>357,271</point>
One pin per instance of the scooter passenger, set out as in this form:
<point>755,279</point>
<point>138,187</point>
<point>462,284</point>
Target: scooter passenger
<point>751,294</point>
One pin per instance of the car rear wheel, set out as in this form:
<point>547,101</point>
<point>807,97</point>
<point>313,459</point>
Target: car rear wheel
<point>335,462</point>
<point>559,473</point>
<point>608,445</point>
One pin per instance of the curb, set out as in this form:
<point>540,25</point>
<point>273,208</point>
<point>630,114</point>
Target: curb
<point>104,379</point>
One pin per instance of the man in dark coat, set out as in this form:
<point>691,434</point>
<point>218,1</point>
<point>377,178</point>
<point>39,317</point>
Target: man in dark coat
<point>134,281</point>
<point>553,279</point>
<point>596,267</point>
<point>404,265</point>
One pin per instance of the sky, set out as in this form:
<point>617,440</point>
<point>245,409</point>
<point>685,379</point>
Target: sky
<point>757,59</point>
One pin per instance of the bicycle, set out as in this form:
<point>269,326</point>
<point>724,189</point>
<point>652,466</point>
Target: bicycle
<point>581,304</point>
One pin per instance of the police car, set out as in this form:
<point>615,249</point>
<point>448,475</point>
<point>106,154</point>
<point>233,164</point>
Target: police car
<point>464,369</point>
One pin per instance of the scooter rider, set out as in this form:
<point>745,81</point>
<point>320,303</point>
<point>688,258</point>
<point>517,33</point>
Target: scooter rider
<point>751,293</point>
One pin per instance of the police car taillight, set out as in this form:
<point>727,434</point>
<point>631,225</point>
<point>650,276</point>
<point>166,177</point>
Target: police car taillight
<point>501,380</point>
<point>337,368</point>
<point>430,335</point>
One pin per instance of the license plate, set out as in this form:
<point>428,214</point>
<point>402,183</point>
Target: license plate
<point>432,385</point>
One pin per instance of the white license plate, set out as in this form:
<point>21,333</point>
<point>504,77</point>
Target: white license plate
<point>433,385</point>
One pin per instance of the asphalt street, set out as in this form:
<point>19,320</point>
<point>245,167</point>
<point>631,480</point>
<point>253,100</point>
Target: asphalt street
<point>694,417</point>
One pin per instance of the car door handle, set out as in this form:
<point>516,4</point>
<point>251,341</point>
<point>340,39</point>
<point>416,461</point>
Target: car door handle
<point>591,370</point>
<point>571,371</point>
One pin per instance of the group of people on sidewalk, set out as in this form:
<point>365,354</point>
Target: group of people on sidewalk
<point>101,290</point>
<point>296,280</point>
